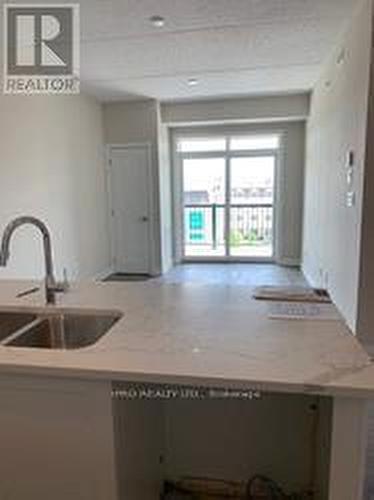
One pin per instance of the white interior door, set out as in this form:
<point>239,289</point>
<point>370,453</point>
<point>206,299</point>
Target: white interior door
<point>130,209</point>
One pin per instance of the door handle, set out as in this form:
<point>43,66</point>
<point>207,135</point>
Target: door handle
<point>144,218</point>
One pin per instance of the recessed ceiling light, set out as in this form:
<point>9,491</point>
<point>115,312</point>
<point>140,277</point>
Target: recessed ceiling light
<point>157,21</point>
<point>192,82</point>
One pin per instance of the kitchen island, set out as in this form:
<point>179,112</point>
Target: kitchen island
<point>66,433</point>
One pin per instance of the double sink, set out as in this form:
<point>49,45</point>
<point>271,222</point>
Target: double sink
<point>54,329</point>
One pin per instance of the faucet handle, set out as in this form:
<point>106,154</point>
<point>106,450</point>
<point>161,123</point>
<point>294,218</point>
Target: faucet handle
<point>27,292</point>
<point>58,286</point>
<point>63,286</point>
<point>66,280</point>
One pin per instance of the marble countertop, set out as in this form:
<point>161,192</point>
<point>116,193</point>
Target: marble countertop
<point>196,334</point>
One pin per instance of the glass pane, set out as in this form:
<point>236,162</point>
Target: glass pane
<point>253,142</point>
<point>204,207</point>
<point>201,145</point>
<point>251,206</point>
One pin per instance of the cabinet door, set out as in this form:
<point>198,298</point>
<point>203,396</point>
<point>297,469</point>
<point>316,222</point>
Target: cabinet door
<point>56,440</point>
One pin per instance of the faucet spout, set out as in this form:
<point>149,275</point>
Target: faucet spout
<point>3,258</point>
<point>51,287</point>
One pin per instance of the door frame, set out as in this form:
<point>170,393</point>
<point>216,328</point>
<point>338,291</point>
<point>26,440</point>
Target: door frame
<point>177,183</point>
<point>109,148</point>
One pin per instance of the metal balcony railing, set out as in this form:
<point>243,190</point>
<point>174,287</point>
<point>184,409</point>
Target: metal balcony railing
<point>250,224</point>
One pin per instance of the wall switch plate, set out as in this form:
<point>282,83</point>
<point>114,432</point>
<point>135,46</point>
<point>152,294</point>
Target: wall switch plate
<point>350,176</point>
<point>350,159</point>
<point>350,199</point>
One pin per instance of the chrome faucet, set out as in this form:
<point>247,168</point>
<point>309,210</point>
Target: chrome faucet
<point>51,286</point>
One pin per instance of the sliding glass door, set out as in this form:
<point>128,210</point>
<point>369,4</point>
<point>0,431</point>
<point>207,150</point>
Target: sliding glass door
<point>251,207</point>
<point>228,201</point>
<point>204,196</point>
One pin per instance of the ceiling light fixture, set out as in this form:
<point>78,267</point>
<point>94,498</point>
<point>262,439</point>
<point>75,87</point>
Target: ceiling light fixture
<point>157,21</point>
<point>192,82</point>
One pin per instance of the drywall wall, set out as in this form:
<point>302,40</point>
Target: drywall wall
<point>149,122</point>
<point>337,124</point>
<point>137,123</point>
<point>290,181</point>
<point>256,109</point>
<point>166,199</point>
<point>365,318</point>
<point>291,193</point>
<point>52,167</point>
<point>130,122</point>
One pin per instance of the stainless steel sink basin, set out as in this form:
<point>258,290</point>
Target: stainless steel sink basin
<point>66,331</point>
<point>55,330</point>
<point>10,322</point>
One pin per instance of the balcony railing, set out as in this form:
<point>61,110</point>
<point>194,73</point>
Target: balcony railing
<point>251,225</point>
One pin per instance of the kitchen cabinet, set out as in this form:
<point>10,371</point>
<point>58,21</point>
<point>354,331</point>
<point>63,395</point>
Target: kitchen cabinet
<point>70,438</point>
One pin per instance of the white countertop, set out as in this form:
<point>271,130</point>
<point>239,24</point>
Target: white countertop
<point>195,334</point>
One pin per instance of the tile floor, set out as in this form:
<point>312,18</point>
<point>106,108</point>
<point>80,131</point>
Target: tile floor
<point>234,274</point>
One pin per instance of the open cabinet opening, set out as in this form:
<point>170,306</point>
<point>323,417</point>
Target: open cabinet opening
<point>284,438</point>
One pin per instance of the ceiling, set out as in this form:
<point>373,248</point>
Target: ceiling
<point>232,47</point>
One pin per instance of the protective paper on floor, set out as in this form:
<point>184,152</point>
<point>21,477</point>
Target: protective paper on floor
<point>303,311</point>
<point>291,294</point>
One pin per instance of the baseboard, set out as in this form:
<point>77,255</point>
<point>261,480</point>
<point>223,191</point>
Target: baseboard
<point>369,348</point>
<point>288,262</point>
<point>308,277</point>
<point>104,274</point>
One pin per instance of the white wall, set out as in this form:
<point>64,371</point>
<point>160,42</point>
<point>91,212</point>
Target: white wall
<point>51,164</point>
<point>149,121</point>
<point>130,122</point>
<point>166,198</point>
<point>337,124</point>
<point>256,109</point>
<point>134,123</point>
